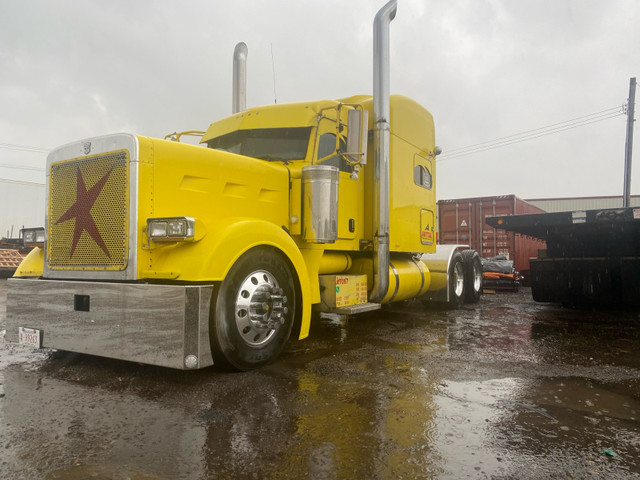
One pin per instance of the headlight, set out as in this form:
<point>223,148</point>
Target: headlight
<point>33,237</point>
<point>171,229</point>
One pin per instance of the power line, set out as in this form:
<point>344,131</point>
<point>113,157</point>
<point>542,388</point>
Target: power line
<point>534,133</point>
<point>21,167</point>
<point>20,182</point>
<point>554,126</point>
<point>28,148</point>
<point>523,139</point>
<point>273,67</point>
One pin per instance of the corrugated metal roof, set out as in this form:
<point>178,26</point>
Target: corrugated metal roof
<point>570,204</point>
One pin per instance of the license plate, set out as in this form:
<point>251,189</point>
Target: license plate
<point>29,336</point>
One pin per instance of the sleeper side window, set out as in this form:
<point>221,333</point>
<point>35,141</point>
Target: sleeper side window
<point>422,177</point>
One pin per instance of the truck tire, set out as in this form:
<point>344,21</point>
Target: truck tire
<point>254,309</point>
<point>472,276</point>
<point>456,281</point>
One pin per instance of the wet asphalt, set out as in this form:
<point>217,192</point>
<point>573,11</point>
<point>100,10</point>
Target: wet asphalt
<point>506,389</point>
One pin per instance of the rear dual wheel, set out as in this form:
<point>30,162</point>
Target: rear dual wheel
<point>472,276</point>
<point>254,309</point>
<point>465,278</point>
<point>456,281</point>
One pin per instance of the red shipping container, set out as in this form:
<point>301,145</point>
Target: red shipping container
<point>462,221</point>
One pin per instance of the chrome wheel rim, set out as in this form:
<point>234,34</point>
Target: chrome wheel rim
<point>458,279</point>
<point>477,279</point>
<point>260,308</point>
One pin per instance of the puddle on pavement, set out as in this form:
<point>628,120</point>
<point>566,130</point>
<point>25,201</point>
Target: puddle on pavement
<point>386,420</point>
<point>467,413</point>
<point>505,425</point>
<point>53,425</point>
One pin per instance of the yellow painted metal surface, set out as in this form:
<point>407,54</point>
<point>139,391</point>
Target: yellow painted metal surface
<point>219,190</point>
<point>334,262</point>
<point>32,264</point>
<point>239,203</point>
<point>412,144</point>
<point>412,148</point>
<point>295,202</point>
<point>349,211</point>
<point>408,278</point>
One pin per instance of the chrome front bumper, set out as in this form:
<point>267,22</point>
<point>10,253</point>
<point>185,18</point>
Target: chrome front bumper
<point>164,325</point>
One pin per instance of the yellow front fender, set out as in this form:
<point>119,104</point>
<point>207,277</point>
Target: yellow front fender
<point>32,265</point>
<point>237,236</point>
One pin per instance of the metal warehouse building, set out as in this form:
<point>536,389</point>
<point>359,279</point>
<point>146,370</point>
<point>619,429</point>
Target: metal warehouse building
<point>581,203</point>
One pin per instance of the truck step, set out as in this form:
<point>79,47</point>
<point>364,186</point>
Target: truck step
<point>358,308</point>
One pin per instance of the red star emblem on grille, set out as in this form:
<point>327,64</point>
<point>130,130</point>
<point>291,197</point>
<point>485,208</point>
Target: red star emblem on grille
<point>81,211</point>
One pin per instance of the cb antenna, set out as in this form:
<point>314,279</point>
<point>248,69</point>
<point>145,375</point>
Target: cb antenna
<point>273,68</point>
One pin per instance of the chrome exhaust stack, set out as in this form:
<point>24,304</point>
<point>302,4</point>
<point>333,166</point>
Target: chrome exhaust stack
<point>239,102</point>
<point>381,139</point>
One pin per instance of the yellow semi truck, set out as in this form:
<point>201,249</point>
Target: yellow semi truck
<point>171,254</point>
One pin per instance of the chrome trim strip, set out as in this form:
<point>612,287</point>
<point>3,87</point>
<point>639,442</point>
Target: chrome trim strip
<point>421,272</point>
<point>134,190</point>
<point>98,145</point>
<point>395,273</point>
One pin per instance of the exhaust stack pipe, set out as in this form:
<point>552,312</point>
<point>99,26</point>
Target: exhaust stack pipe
<point>240,78</point>
<point>381,138</point>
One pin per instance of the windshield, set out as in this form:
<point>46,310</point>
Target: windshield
<point>283,144</point>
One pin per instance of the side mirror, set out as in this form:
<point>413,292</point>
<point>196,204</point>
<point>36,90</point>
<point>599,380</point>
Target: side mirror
<point>357,132</point>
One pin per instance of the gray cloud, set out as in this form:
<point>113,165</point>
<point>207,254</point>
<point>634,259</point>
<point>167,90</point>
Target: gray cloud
<point>485,68</point>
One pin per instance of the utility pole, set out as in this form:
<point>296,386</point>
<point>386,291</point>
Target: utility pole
<point>628,147</point>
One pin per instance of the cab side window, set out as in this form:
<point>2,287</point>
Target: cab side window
<point>422,177</point>
<point>327,146</point>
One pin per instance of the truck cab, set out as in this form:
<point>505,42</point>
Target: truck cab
<point>185,256</point>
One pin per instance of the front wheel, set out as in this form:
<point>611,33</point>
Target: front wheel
<point>254,310</point>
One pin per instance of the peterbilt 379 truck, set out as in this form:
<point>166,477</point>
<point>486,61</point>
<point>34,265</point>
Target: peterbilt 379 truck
<point>171,254</point>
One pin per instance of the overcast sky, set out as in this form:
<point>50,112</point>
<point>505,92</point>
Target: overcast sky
<point>486,69</point>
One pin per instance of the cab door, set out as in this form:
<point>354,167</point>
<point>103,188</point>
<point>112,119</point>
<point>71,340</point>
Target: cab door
<point>326,154</point>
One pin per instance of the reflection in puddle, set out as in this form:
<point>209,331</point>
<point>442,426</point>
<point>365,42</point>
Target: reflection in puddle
<point>354,429</point>
<point>433,347</point>
<point>589,416</point>
<point>498,335</point>
<point>467,412</point>
<point>502,426</point>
